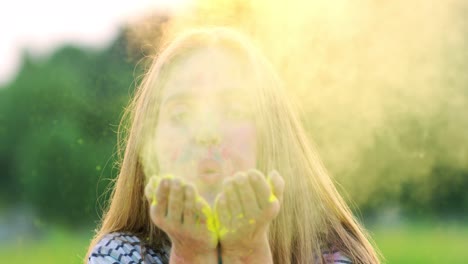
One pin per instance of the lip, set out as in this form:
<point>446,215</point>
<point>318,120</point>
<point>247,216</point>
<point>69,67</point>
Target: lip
<point>209,170</point>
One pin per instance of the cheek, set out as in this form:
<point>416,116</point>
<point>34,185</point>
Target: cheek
<point>240,146</point>
<point>170,146</point>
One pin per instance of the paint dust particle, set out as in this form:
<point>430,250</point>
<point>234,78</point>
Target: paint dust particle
<point>222,231</point>
<point>272,198</point>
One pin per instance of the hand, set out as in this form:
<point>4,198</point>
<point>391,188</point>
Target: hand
<point>185,217</point>
<point>244,210</point>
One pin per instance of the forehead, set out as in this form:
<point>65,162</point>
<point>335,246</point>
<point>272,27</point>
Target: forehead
<point>209,72</point>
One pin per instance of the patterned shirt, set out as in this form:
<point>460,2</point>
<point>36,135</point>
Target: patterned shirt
<point>124,248</point>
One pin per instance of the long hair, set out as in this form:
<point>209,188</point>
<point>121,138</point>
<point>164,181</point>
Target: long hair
<point>313,219</point>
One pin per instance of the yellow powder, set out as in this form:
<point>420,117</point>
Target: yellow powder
<point>154,202</point>
<point>272,197</point>
<point>211,219</point>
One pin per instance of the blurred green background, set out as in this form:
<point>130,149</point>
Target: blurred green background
<point>408,182</point>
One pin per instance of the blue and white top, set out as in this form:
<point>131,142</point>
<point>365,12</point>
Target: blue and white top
<point>125,248</point>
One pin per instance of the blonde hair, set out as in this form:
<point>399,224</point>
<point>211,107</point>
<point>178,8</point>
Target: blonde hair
<point>313,218</point>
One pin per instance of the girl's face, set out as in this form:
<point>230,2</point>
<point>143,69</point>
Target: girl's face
<point>205,129</point>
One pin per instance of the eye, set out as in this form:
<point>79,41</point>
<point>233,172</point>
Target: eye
<point>179,114</point>
<point>237,112</point>
<point>179,117</point>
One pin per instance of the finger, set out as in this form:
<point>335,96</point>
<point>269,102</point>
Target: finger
<point>222,215</point>
<point>199,218</point>
<point>149,193</point>
<point>202,211</point>
<point>277,183</point>
<point>260,186</point>
<point>151,188</point>
<point>189,206</point>
<point>246,195</point>
<point>233,202</point>
<point>176,202</point>
<point>159,210</point>
<point>222,208</point>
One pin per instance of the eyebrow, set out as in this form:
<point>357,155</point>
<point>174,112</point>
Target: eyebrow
<point>185,96</point>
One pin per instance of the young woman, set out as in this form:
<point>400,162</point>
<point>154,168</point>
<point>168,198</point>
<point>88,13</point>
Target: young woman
<point>218,169</point>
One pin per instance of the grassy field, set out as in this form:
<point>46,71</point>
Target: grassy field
<point>414,243</point>
<point>60,246</point>
<point>423,243</point>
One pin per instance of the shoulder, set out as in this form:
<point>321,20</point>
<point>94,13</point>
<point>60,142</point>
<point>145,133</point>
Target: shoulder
<point>336,256</point>
<point>123,248</point>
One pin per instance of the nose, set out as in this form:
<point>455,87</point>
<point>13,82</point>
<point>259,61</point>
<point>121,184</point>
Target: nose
<point>207,136</point>
<point>207,129</point>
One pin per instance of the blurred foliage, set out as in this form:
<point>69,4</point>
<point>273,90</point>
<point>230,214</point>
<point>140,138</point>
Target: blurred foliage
<point>443,193</point>
<point>57,134</point>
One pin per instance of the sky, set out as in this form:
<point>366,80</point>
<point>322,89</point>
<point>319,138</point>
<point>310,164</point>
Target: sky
<point>42,26</point>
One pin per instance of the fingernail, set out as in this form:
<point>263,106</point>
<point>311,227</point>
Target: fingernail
<point>176,185</point>
<point>241,179</point>
<point>253,177</point>
<point>273,173</point>
<point>165,183</point>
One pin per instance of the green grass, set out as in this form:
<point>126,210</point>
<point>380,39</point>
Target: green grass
<point>423,243</point>
<point>58,247</point>
<point>413,243</point>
